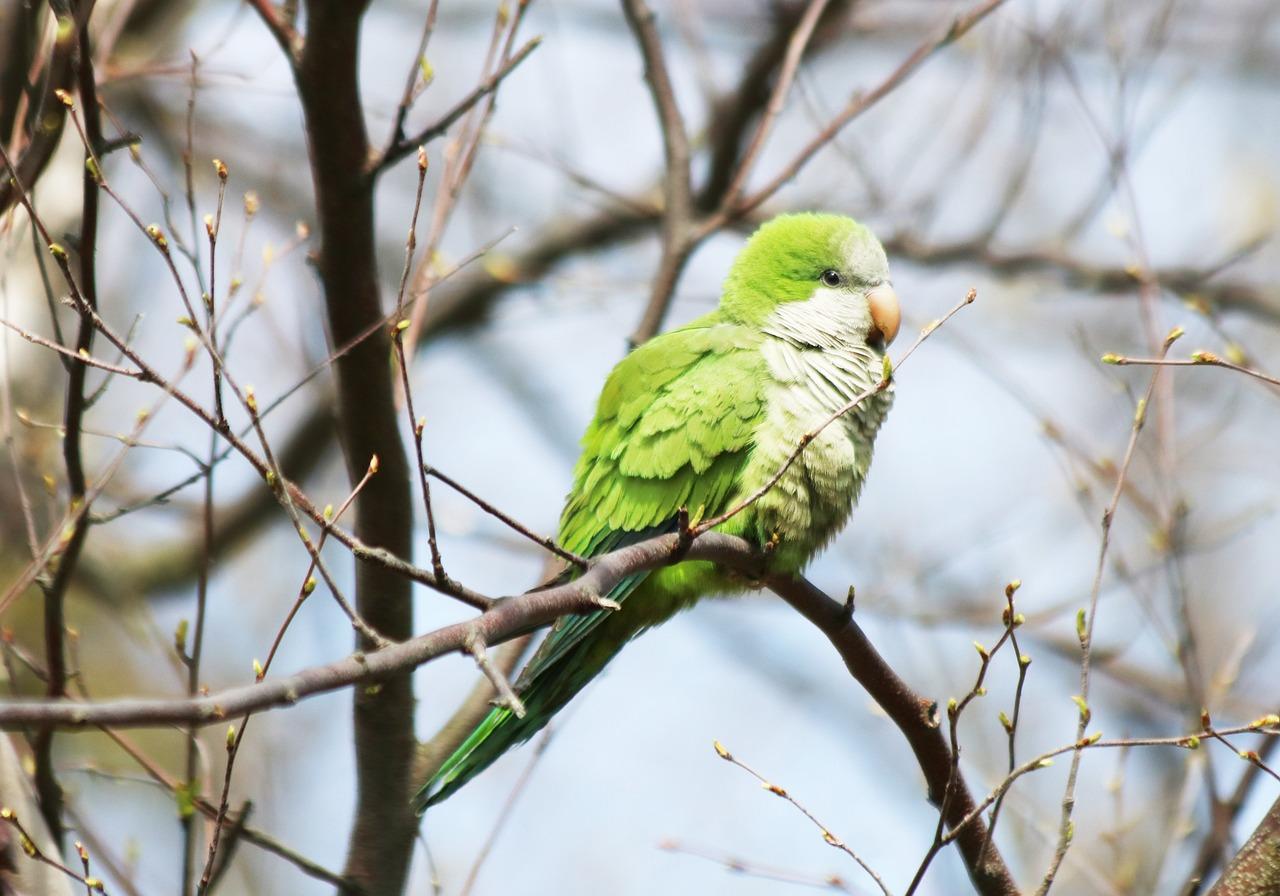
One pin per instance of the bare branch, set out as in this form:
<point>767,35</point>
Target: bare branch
<point>828,836</point>
<point>405,146</point>
<point>1085,622</point>
<point>281,29</point>
<point>1197,359</point>
<point>917,719</point>
<point>796,47</point>
<point>860,102</point>
<point>677,241</point>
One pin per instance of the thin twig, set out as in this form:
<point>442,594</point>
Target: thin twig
<point>416,426</point>
<point>828,837</point>
<point>29,846</point>
<point>407,145</point>
<point>251,835</point>
<point>508,520</point>
<point>411,80</point>
<point>858,104</point>
<point>796,47</point>
<point>283,32</point>
<point>517,790</point>
<point>1197,359</point>
<point>1085,624</point>
<point>677,224</point>
<point>507,696</point>
<point>747,868</point>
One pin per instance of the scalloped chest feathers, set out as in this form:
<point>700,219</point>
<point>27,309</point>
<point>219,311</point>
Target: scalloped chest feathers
<point>817,365</point>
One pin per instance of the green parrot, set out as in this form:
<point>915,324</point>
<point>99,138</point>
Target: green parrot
<point>700,418</point>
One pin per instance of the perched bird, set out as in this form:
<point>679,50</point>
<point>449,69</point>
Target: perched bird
<point>701,418</point>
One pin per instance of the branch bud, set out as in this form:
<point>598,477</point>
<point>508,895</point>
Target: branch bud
<point>1083,706</point>
<point>158,237</point>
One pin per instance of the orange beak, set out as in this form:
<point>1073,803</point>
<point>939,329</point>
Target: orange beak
<point>885,313</point>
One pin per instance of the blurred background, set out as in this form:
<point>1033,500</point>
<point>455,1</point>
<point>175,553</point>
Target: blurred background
<point>1100,173</point>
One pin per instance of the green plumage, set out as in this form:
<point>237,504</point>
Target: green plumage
<point>699,418</point>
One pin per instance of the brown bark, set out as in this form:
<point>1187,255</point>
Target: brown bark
<point>1255,871</point>
<point>382,834</point>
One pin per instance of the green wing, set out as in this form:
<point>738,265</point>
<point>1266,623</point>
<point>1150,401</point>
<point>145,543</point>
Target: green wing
<point>673,429</point>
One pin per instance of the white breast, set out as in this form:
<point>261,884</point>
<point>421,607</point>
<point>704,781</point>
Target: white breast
<point>818,362</point>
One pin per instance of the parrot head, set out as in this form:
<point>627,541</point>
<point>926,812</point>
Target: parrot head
<point>827,261</point>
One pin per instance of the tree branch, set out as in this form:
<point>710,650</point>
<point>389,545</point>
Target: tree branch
<point>76,406</point>
<point>382,834</point>
<point>408,145</point>
<point>1256,868</point>
<point>283,32</point>
<point>49,119</point>
<point>677,212</point>
<point>914,716</point>
<point>859,103</point>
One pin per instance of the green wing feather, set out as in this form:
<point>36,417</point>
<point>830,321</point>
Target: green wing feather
<point>673,429</point>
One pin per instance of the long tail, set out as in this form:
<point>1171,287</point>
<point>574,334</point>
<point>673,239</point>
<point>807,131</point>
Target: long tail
<point>576,651</point>
<point>545,695</point>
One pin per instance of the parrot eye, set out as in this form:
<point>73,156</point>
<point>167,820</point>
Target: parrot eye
<point>832,278</point>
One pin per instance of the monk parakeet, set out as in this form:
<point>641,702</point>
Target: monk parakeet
<point>700,418</point>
